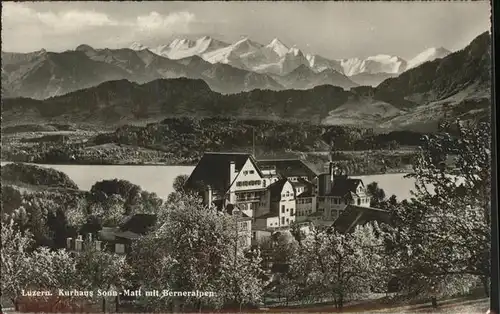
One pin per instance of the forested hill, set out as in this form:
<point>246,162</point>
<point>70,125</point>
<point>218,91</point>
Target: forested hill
<point>188,135</point>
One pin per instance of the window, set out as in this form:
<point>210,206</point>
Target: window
<point>287,194</point>
<point>282,220</point>
<point>245,172</point>
<point>291,211</point>
<point>287,220</point>
<point>254,235</point>
<point>283,209</point>
<point>359,201</point>
<point>264,183</point>
<point>251,171</point>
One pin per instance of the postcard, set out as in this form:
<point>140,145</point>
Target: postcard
<point>266,156</point>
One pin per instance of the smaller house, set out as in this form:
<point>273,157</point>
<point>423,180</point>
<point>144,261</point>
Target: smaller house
<point>116,239</point>
<point>78,244</point>
<point>244,225</point>
<point>282,209</point>
<point>355,215</point>
<point>335,190</point>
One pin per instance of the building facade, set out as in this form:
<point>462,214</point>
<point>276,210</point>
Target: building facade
<point>272,194</point>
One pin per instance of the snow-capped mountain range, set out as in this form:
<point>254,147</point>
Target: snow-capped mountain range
<point>276,58</point>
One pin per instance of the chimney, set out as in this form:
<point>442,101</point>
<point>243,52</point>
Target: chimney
<point>232,171</point>
<point>208,196</point>
<point>232,176</point>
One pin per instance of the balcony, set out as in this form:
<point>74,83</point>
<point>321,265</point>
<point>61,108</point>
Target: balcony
<point>247,198</point>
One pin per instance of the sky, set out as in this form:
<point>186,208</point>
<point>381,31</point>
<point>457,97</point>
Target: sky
<point>331,29</point>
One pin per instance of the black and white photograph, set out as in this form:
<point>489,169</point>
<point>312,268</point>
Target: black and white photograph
<point>247,157</point>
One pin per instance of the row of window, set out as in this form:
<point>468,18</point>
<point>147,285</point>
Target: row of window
<point>242,196</point>
<point>304,200</point>
<point>295,179</point>
<point>249,183</point>
<point>248,172</point>
<point>363,200</point>
<point>304,212</point>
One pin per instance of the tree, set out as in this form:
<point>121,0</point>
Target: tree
<point>99,269</point>
<point>134,200</point>
<point>11,199</point>
<point>110,211</point>
<point>16,268</point>
<point>194,248</point>
<point>443,235</point>
<point>330,264</point>
<point>53,270</point>
<point>377,194</point>
<point>179,182</point>
<point>128,191</point>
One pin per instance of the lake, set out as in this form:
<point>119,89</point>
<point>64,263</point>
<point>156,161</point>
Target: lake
<point>159,179</point>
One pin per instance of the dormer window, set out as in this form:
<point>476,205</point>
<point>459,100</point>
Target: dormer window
<point>245,172</point>
<point>251,172</point>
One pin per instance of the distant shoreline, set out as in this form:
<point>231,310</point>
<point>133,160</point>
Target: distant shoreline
<point>3,162</point>
<point>97,164</point>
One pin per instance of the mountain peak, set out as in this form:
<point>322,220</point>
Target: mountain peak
<point>181,43</point>
<point>204,39</point>
<point>276,42</point>
<point>247,42</point>
<point>277,46</point>
<point>295,51</point>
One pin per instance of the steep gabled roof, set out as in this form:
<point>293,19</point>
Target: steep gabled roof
<point>354,215</point>
<point>276,188</point>
<point>213,170</point>
<point>289,167</point>
<point>343,186</point>
<point>139,223</point>
<point>268,215</point>
<point>129,235</point>
<point>306,193</point>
